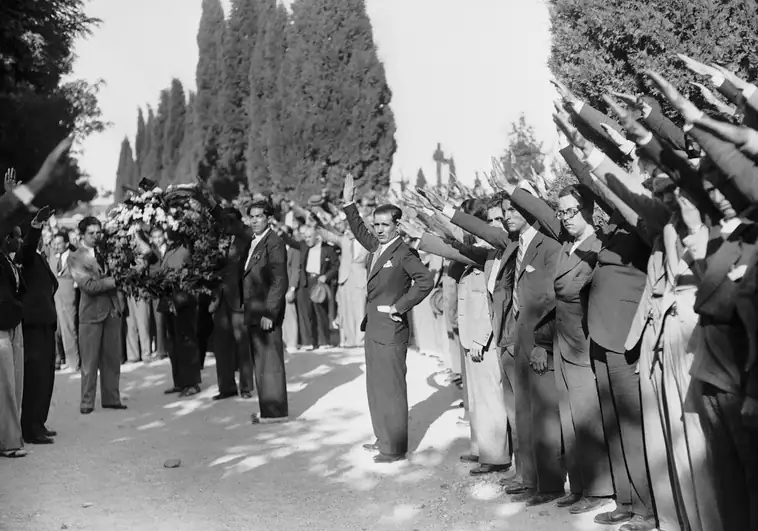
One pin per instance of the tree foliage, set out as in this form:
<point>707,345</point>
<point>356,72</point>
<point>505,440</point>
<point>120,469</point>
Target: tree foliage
<point>37,108</point>
<point>524,151</point>
<point>599,45</point>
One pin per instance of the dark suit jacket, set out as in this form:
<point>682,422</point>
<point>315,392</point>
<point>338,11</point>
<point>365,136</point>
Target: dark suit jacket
<point>723,359</point>
<point>12,213</point>
<point>98,294</point>
<point>39,299</point>
<point>330,264</point>
<point>404,283</point>
<point>11,293</point>
<point>572,280</point>
<point>229,291</point>
<point>665,129</point>
<point>264,281</point>
<point>293,267</point>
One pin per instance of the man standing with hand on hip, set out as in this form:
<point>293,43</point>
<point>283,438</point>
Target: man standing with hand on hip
<point>397,281</point>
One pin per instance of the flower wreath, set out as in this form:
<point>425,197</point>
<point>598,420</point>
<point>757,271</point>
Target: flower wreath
<point>177,211</point>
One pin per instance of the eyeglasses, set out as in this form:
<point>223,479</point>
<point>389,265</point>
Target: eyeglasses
<point>498,219</point>
<point>567,214</point>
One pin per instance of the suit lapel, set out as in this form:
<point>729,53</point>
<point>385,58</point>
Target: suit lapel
<point>256,255</point>
<point>569,260</point>
<point>382,259</point>
<point>718,267</point>
<point>531,252</point>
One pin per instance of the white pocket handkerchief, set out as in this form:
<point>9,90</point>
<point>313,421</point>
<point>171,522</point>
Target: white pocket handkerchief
<point>387,264</point>
<point>737,272</point>
<point>529,268</point>
<point>383,309</point>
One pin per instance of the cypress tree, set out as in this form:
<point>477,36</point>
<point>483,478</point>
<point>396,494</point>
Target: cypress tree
<point>159,136</point>
<point>209,80</point>
<point>266,62</point>
<point>150,162</point>
<point>139,141</point>
<point>239,44</point>
<point>420,179</point>
<point>334,115</point>
<point>186,169</point>
<point>125,170</point>
<point>173,134</point>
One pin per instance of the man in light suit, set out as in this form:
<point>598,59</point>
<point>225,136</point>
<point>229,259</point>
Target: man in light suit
<point>65,299</point>
<point>397,281</point>
<point>101,311</point>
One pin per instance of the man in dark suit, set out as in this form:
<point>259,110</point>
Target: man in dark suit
<point>529,346</point>
<point>101,309</point>
<point>159,246</point>
<point>231,341</point>
<point>319,266</point>
<point>180,317</point>
<point>397,281</point>
<point>39,323</point>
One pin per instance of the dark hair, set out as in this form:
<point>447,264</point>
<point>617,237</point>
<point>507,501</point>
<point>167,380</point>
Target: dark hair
<point>157,227</point>
<point>476,208</point>
<point>88,222</point>
<point>232,212</point>
<point>581,193</point>
<point>496,201</point>
<point>263,205</point>
<point>62,234</point>
<point>394,211</point>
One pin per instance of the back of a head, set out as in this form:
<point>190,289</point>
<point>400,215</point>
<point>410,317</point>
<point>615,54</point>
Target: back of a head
<point>475,207</point>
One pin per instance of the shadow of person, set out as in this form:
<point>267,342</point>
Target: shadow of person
<point>423,414</point>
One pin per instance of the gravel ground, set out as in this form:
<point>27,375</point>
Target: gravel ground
<point>106,472</point>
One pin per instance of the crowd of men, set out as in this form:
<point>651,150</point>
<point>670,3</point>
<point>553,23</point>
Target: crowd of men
<point>620,355</point>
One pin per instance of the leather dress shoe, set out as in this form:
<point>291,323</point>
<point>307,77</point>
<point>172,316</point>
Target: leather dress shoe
<point>246,394</point>
<point>85,410</point>
<point>114,406</point>
<point>38,439</point>
<point>388,458</point>
<point>542,498</point>
<point>50,433</point>
<point>587,504</point>
<point>516,488</point>
<point>488,469</point>
<point>222,396</point>
<point>527,495</point>
<point>617,516</point>
<point>190,391</point>
<point>568,499</point>
<point>172,390</point>
<point>469,458</point>
<point>639,523</point>
<point>371,447</point>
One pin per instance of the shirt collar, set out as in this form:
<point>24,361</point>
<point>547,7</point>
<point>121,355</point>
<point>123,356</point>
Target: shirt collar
<point>728,226</point>
<point>526,237</point>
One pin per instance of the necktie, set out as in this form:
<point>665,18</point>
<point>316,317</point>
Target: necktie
<point>250,253</point>
<point>519,258</point>
<point>58,264</point>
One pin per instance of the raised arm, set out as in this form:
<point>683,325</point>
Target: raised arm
<point>435,245</point>
<point>330,237</point>
<point>539,210</point>
<point>360,231</point>
<point>498,238</point>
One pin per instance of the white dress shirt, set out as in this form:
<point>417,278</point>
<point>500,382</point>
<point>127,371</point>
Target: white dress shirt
<point>382,248</point>
<point>254,246</point>
<point>578,242</point>
<point>313,263</point>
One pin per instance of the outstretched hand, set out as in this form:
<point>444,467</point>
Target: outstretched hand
<point>634,130</point>
<point>700,68</point>
<point>430,196</point>
<point>571,132</point>
<point>499,177</point>
<point>348,192</point>
<point>686,108</point>
<point>42,216</point>
<point>10,180</point>
<point>410,229</point>
<point>567,96</point>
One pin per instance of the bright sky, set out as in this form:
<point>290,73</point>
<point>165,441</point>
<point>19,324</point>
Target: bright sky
<point>459,76</point>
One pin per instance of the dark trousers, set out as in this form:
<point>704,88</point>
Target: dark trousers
<point>510,370</point>
<point>39,377</point>
<point>270,376</point>
<point>313,318</point>
<point>231,342</point>
<point>587,461</point>
<point>388,395</point>
<point>618,386</point>
<point>539,428</point>
<point>204,328</point>
<point>181,342</point>
<point>734,463</point>
<point>159,330</point>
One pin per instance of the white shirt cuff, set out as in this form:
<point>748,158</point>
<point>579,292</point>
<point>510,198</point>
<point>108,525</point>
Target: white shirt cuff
<point>24,194</point>
<point>594,159</point>
<point>646,110</point>
<point>646,139</point>
<point>448,212</point>
<point>578,107</point>
<point>749,91</point>
<point>627,147</point>
<point>717,80</point>
<point>348,204</point>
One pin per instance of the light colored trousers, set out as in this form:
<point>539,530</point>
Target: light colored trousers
<point>99,344</point>
<point>351,307</point>
<point>487,411</point>
<point>11,388</point>
<point>138,343</point>
<point>290,326</point>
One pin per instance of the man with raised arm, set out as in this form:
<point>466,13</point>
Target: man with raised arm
<point>397,281</point>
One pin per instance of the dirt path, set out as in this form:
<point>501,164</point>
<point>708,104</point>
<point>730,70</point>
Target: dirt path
<point>105,471</point>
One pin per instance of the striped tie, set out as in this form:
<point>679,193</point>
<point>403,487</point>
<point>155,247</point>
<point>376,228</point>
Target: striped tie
<point>519,258</point>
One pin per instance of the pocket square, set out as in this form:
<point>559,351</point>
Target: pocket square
<point>387,264</point>
<point>529,268</point>
<point>737,272</point>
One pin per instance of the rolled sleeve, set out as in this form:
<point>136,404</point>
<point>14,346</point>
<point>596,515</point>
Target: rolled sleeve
<point>595,159</point>
<point>24,194</point>
<point>448,212</point>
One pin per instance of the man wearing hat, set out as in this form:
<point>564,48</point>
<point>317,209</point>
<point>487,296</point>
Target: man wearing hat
<point>397,281</point>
